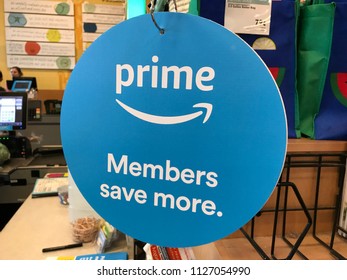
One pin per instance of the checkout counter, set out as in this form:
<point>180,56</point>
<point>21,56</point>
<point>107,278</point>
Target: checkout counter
<point>44,221</point>
<point>40,152</point>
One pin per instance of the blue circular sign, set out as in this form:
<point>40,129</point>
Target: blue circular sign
<point>176,139</point>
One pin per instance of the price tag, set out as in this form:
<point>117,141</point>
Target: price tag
<point>248,16</point>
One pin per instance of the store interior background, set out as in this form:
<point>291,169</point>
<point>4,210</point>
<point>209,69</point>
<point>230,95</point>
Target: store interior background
<point>235,246</point>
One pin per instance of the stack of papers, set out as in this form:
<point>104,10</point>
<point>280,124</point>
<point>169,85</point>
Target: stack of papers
<point>48,186</point>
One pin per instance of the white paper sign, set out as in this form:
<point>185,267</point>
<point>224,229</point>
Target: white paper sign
<point>248,16</point>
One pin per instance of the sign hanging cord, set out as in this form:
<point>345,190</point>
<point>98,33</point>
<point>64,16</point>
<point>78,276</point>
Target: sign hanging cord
<point>153,4</point>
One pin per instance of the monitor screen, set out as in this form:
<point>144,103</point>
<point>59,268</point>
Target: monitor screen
<point>10,83</point>
<point>21,86</point>
<point>13,111</point>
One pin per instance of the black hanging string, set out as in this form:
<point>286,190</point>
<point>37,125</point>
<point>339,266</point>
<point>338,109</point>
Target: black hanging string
<point>153,3</point>
<point>152,8</point>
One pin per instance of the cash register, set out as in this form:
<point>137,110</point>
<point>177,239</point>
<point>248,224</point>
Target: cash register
<point>19,173</point>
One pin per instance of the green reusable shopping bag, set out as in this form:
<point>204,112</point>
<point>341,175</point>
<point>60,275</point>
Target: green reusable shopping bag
<point>314,45</point>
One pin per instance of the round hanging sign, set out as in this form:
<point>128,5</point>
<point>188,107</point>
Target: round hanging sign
<point>176,139</point>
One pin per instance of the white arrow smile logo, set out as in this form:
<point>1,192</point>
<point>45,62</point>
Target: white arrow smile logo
<point>169,120</point>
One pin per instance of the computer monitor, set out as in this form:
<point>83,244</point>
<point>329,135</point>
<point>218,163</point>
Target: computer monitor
<point>13,111</point>
<point>23,81</point>
<point>21,86</point>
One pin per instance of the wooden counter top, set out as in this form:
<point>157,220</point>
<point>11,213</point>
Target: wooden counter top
<point>305,145</point>
<point>40,223</point>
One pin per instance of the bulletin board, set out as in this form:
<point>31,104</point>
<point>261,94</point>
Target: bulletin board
<point>53,34</point>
